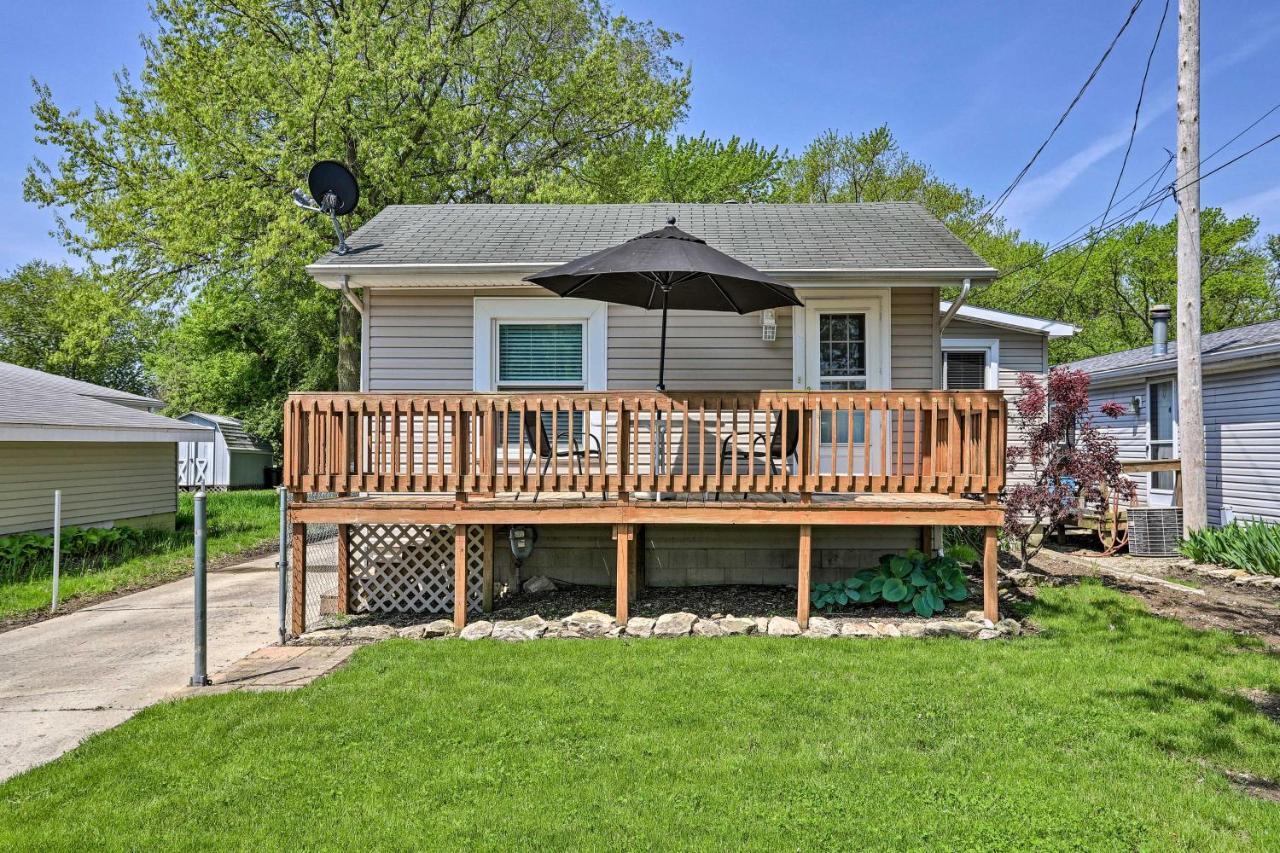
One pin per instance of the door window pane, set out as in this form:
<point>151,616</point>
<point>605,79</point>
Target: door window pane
<point>842,356</point>
<point>1160,421</point>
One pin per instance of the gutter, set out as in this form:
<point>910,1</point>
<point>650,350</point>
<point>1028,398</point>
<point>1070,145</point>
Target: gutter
<point>960,299</point>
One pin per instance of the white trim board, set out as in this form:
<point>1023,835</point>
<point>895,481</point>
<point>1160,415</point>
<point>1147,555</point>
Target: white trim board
<point>989,346</point>
<point>489,310</point>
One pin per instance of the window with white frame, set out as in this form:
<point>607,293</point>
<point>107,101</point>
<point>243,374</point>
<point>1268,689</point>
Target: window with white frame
<point>540,355</point>
<point>970,365</point>
<point>1161,424</point>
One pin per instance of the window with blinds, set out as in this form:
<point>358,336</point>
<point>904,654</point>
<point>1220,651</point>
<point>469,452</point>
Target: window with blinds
<point>547,355</point>
<point>965,371</point>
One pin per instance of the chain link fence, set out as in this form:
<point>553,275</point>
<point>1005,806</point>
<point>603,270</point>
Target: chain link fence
<point>322,570</point>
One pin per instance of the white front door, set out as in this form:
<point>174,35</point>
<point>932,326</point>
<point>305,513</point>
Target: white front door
<point>845,349</point>
<point>1162,439</point>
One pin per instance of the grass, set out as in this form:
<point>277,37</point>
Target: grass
<point>1104,731</point>
<point>237,521</point>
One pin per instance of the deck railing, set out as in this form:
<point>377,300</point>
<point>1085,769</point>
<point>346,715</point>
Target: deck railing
<point>621,443</point>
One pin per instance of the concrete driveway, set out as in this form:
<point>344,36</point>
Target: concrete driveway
<point>66,678</point>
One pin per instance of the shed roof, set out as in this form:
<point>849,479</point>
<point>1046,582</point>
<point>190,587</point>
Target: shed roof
<point>233,432</point>
<point>866,237</point>
<point>1216,347</point>
<point>38,406</point>
<point>1017,322</point>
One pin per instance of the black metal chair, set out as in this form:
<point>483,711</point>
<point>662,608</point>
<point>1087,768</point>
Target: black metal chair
<point>769,448</point>
<point>565,446</point>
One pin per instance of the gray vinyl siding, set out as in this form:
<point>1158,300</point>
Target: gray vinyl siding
<point>914,359</point>
<point>420,341</point>
<point>706,350</point>
<point>100,482</point>
<point>1242,443</point>
<point>1129,430</point>
<point>1019,352</point>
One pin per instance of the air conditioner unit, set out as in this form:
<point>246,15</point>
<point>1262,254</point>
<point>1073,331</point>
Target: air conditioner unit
<point>1155,531</point>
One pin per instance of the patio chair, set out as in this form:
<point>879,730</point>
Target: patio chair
<point>565,446</point>
<point>767,447</point>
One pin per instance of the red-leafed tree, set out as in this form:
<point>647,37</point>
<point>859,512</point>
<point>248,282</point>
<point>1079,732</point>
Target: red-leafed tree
<point>1068,455</point>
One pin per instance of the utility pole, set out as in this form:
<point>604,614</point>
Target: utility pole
<point>1187,186</point>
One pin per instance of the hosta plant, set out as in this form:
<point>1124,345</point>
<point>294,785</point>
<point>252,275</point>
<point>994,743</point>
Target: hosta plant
<point>914,581</point>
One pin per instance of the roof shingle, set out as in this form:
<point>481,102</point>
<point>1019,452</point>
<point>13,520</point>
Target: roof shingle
<point>1217,345</point>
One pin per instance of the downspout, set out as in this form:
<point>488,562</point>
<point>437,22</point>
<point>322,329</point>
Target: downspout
<point>960,299</point>
<point>361,304</point>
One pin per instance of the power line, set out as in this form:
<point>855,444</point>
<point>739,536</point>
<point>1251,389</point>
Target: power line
<point>995,206</point>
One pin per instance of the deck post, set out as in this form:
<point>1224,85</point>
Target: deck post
<point>633,565</point>
<point>344,566</point>
<point>460,576</point>
<point>622,533</point>
<point>487,576</point>
<point>298,565</point>
<point>802,576</point>
<point>990,600</point>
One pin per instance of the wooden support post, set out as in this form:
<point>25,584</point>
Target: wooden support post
<point>298,568</point>
<point>802,576</point>
<point>633,579</point>
<point>990,557</point>
<point>344,567</point>
<point>460,576</point>
<point>488,569</point>
<point>622,533</point>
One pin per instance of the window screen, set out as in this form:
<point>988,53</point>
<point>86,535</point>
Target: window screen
<point>965,370</point>
<point>548,354</point>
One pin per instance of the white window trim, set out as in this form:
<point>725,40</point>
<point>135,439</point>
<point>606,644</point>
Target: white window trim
<point>488,311</point>
<point>876,304</point>
<point>1173,450</point>
<point>988,346</point>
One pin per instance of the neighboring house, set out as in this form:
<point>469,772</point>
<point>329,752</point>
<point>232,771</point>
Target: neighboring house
<point>112,457</point>
<point>233,460</point>
<point>884,453</point>
<point>1241,382</point>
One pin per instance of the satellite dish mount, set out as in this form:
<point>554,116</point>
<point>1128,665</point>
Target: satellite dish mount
<point>335,187</point>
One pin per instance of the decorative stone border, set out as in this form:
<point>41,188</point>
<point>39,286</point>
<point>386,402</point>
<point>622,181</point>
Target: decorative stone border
<point>592,624</point>
<point>1236,576</point>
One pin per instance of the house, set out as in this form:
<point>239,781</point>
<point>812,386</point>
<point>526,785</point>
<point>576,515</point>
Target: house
<point>490,406</point>
<point>111,456</point>
<point>233,460</point>
<point>1241,393</point>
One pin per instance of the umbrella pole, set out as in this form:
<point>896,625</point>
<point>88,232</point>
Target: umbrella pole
<point>662,347</point>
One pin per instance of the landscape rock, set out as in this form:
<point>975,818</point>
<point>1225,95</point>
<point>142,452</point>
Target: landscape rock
<point>674,624</point>
<point>858,629</point>
<point>885,629</point>
<point>988,634</point>
<point>539,583</point>
<point>1009,626</point>
<point>439,628</point>
<point>762,624</point>
<point>477,630</point>
<point>821,628</point>
<point>528,628</point>
<point>911,629</point>
<point>947,628</point>
<point>371,633</point>
<point>590,623</point>
<point>736,625</point>
<point>640,626</point>
<point>781,626</point>
<point>326,636</point>
<point>708,628</point>
<point>411,632</point>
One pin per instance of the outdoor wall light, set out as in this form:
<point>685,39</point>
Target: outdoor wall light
<point>1136,402</point>
<point>768,325</point>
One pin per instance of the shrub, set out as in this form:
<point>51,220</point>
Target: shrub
<point>24,556</point>
<point>1252,547</point>
<point>913,581</point>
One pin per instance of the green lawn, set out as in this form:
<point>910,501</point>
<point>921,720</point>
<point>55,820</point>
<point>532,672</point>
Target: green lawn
<point>237,521</point>
<point>1102,732</point>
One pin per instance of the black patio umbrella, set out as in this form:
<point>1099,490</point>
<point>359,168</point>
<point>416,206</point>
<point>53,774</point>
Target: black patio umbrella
<point>667,268</point>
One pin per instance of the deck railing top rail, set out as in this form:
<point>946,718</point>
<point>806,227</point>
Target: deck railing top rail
<point>619,443</point>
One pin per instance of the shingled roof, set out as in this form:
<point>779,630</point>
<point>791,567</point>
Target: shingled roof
<point>868,237</point>
<point>1240,342</point>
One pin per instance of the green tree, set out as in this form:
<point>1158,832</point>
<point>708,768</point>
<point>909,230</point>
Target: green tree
<point>182,186</point>
<point>1107,286</point>
<point>687,169</point>
<point>58,320</point>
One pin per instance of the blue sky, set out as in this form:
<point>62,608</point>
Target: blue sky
<point>969,87</point>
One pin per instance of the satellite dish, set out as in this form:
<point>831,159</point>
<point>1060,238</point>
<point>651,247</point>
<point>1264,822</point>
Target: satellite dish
<point>338,193</point>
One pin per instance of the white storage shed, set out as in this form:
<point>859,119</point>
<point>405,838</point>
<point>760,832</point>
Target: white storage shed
<point>233,460</point>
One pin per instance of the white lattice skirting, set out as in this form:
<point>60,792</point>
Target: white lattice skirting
<point>408,568</point>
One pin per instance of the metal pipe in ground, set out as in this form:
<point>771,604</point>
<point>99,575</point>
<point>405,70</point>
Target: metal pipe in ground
<point>200,678</point>
<point>57,546</point>
<point>282,563</point>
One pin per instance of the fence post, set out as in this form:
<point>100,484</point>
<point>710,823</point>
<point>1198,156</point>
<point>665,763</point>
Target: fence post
<point>200,678</point>
<point>282,563</point>
<point>57,546</point>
